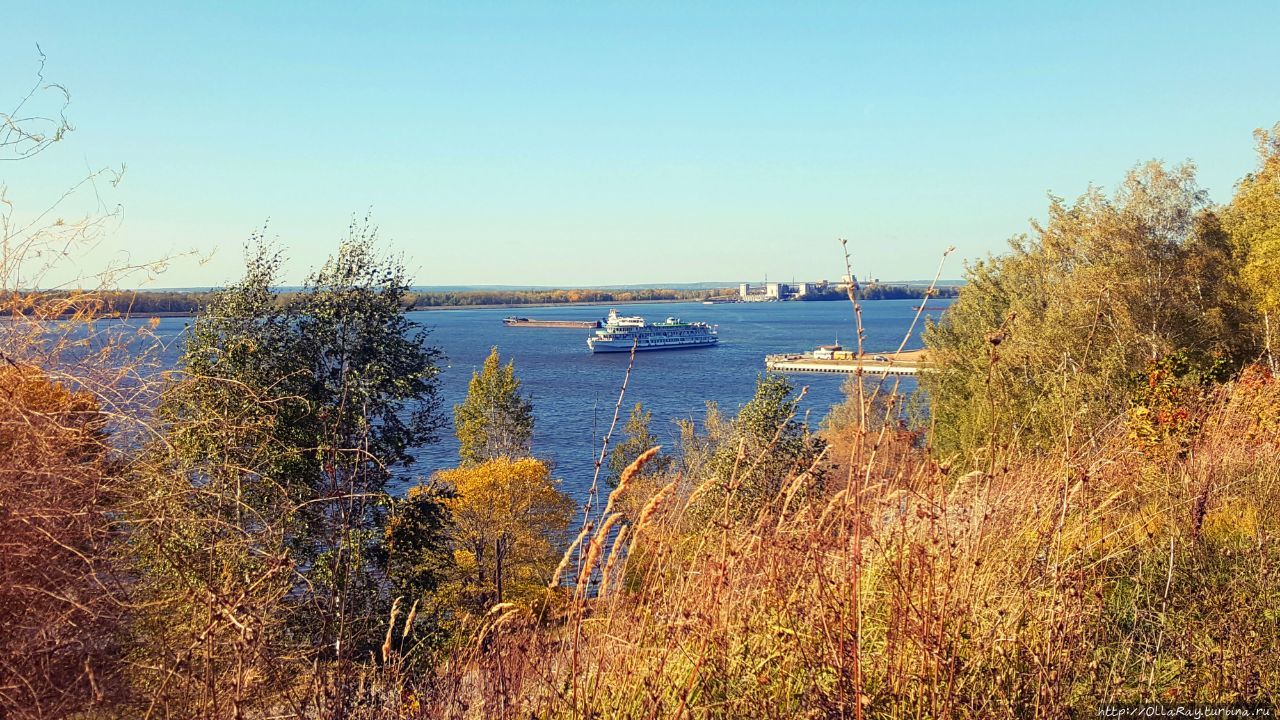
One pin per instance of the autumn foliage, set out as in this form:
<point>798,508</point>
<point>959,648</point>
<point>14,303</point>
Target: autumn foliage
<point>57,609</point>
<point>508,524</point>
<point>1085,513</point>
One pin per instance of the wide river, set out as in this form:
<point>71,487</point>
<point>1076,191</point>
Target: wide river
<point>574,392</point>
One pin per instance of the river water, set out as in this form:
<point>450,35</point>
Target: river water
<point>574,392</point>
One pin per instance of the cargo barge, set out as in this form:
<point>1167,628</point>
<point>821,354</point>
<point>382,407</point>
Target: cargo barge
<point>531,322</point>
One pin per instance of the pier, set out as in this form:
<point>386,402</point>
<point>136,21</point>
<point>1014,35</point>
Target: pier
<point>911,362</point>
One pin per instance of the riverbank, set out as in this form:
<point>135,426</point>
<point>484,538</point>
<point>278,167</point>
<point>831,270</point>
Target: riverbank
<point>582,303</point>
<point>485,306</point>
<point>420,308</point>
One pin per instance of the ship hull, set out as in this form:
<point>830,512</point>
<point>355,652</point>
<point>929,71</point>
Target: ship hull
<point>531,323</point>
<point>619,334</point>
<point>603,348</point>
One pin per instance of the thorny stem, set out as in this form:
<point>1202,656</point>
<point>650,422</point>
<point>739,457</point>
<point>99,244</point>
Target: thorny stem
<point>856,574</point>
<point>592,494</point>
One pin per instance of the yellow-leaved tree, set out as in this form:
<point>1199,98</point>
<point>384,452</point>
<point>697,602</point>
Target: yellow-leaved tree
<point>509,520</point>
<point>1253,221</point>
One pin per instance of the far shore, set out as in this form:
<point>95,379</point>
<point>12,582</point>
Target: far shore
<point>421,308</point>
<point>583,303</point>
<point>487,306</point>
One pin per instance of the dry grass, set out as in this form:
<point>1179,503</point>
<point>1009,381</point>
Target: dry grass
<point>1037,591</point>
<point>55,580</point>
<point>900,591</point>
<point>1038,588</point>
<point>1041,588</point>
<point>70,391</point>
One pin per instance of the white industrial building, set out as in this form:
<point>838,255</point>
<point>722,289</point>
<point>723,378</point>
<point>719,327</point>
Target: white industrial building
<point>778,291</point>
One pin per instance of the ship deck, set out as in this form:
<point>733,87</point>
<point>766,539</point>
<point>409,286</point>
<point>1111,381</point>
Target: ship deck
<point>910,362</point>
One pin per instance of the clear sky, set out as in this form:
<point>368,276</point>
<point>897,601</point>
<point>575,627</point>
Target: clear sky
<point>600,143</point>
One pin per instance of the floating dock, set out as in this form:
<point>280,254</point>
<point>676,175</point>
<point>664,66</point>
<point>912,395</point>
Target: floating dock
<point>531,322</point>
<point>911,362</point>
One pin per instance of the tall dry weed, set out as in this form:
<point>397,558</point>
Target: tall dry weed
<point>1038,588</point>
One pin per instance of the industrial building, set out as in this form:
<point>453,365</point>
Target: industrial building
<point>778,291</point>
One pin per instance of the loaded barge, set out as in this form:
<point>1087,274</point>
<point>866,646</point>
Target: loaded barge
<point>530,322</point>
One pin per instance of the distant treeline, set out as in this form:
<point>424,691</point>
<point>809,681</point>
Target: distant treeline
<point>179,302</point>
<point>106,303</point>
<point>540,297</point>
<point>883,292</point>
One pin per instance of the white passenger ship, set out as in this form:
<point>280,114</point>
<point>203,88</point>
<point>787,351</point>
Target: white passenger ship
<point>620,333</point>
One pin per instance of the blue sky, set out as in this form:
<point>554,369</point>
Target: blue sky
<point>600,143</point>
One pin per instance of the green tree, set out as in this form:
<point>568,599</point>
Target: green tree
<point>1045,342</point>
<point>267,495</point>
<point>215,526</point>
<point>638,439</point>
<point>764,447</point>
<point>420,557</point>
<point>371,380</point>
<point>1252,220</point>
<point>495,420</point>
